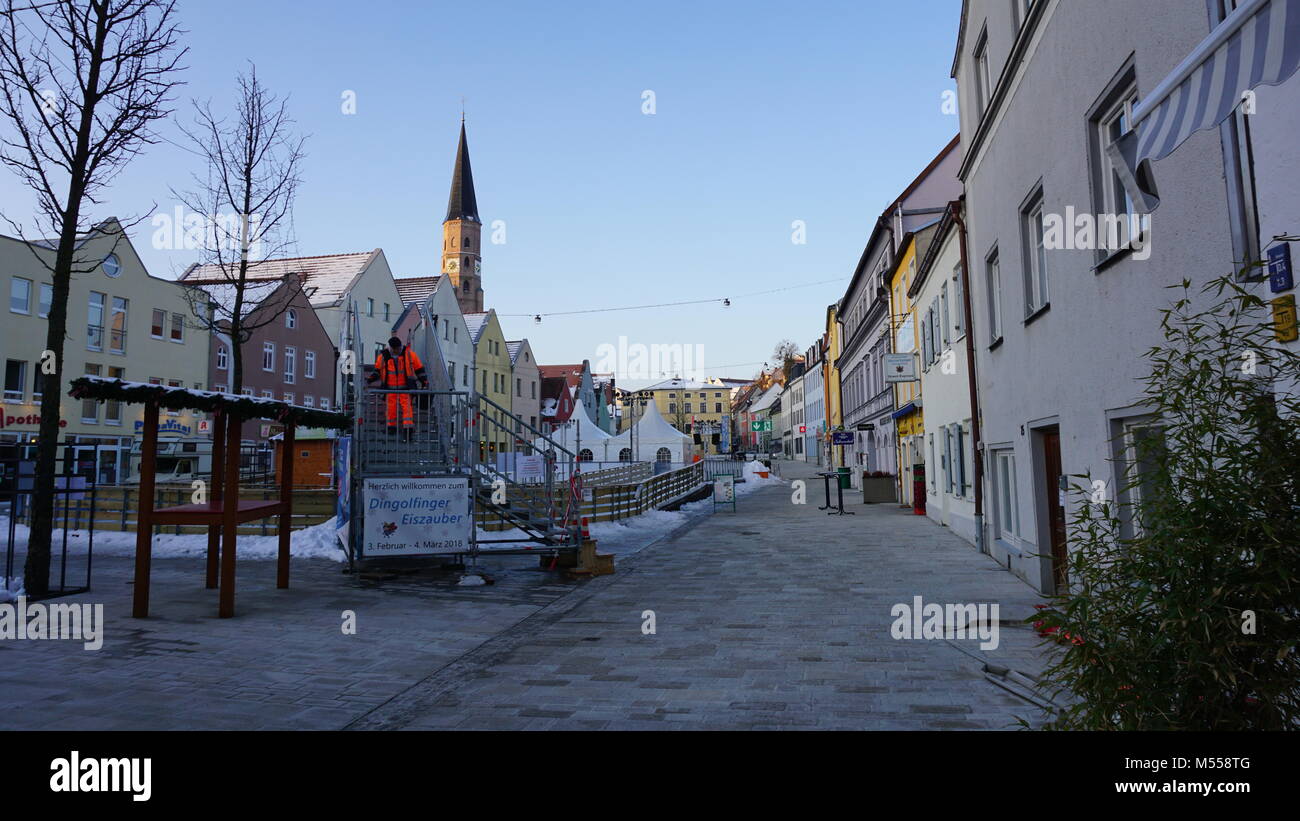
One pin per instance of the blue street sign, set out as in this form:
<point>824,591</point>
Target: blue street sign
<point>1279,268</point>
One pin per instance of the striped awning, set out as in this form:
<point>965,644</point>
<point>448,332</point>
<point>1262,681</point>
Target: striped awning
<point>1257,44</point>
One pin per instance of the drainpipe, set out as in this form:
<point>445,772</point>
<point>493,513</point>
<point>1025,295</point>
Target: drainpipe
<point>977,438</point>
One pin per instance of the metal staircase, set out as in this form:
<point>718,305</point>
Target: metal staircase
<point>516,472</point>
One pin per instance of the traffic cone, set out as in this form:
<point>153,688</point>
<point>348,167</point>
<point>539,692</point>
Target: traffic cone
<point>586,534</point>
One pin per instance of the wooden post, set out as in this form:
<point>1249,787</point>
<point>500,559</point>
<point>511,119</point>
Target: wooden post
<point>215,493</point>
<point>286,505</point>
<point>230,510</point>
<point>144,516</point>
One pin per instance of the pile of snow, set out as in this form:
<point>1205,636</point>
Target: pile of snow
<point>753,481</point>
<point>10,589</point>
<point>315,542</point>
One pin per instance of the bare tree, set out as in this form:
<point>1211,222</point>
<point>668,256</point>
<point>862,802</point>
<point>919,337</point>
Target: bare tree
<point>785,354</point>
<point>246,200</point>
<point>82,83</point>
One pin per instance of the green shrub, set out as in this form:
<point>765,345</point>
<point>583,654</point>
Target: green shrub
<point>1169,575</point>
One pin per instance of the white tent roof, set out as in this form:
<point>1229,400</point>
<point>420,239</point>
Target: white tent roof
<point>652,432</point>
<point>590,433</point>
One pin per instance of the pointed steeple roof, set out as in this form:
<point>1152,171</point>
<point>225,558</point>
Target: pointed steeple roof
<point>462,205</point>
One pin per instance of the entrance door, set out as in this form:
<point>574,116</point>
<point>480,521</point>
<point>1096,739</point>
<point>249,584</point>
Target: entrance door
<point>1055,508</point>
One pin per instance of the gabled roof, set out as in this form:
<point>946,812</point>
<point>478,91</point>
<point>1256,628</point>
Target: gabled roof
<point>462,204</point>
<point>571,374</point>
<point>513,348</point>
<point>683,384</point>
<point>414,290</point>
<point>326,278</point>
<point>476,323</point>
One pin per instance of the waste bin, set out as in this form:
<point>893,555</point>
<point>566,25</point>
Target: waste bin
<point>846,479</point>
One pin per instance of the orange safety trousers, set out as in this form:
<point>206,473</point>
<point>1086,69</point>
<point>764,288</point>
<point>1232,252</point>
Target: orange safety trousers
<point>402,400</point>
<point>399,372</point>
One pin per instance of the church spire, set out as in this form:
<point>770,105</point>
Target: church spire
<point>462,205</point>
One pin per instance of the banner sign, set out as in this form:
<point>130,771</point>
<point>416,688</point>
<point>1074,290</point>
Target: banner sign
<point>900,367</point>
<point>842,438</point>
<point>724,490</point>
<point>724,446</point>
<point>342,481</point>
<point>416,517</point>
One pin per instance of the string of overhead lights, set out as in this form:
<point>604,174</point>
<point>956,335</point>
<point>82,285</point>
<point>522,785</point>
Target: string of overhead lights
<point>725,301</point>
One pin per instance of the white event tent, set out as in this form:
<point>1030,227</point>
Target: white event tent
<point>649,436</point>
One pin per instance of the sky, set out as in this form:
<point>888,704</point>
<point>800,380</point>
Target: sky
<point>764,114</point>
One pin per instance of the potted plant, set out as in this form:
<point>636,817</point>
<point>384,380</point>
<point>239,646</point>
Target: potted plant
<point>877,487</point>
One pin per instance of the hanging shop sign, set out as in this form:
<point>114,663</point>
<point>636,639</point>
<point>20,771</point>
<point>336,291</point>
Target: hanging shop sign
<point>416,517</point>
<point>842,438</point>
<point>1280,277</point>
<point>900,367</point>
<point>1284,319</point>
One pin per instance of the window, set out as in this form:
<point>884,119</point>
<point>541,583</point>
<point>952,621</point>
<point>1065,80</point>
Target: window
<point>223,357</point>
<point>267,394</point>
<point>585,455</point>
<point>38,382</point>
<point>174,383</point>
<point>268,357</point>
<point>15,380</point>
<point>1110,121</point>
<point>464,375</point>
<point>290,364</point>
<point>993,275</point>
<point>672,407</point>
<point>178,328</point>
<point>112,266</point>
<point>688,407</point>
<point>117,325</point>
<point>291,319</point>
<point>663,455</point>
<point>90,407</point>
<point>1143,442</point>
<point>113,408</point>
<point>717,407</point>
<point>467,286</point>
<point>158,323</point>
<point>1021,9</point>
<point>532,390</point>
<point>47,299</point>
<point>370,307</point>
<point>625,455</point>
<point>95,322</point>
<point>959,303</point>
<point>943,303</point>
<point>386,312</point>
<point>324,403</point>
<point>288,397</point>
<point>1006,506</point>
<point>20,295</point>
<point>983,79</point>
<point>1035,264</point>
<point>309,364</point>
<point>932,468</point>
<point>308,402</point>
<point>519,387</point>
<point>248,391</point>
<point>947,459</point>
<point>219,388</point>
<point>485,381</point>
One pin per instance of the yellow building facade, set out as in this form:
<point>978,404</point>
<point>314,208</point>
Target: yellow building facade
<point>906,339</point>
<point>492,375</point>
<point>695,408</point>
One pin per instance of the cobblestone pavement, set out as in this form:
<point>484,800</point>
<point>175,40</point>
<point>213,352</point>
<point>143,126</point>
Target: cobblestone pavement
<point>777,616</point>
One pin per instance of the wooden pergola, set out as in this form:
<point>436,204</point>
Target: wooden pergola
<point>222,511</point>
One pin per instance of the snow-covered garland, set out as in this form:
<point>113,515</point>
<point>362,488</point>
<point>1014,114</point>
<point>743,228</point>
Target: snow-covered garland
<point>178,399</point>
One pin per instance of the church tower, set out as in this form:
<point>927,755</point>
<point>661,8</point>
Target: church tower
<point>461,234</point>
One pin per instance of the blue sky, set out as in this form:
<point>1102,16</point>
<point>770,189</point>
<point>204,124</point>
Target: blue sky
<point>766,113</point>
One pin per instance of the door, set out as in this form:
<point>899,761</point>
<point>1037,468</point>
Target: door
<point>1054,490</point>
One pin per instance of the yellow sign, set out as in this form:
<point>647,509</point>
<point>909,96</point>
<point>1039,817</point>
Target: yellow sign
<point>1284,319</point>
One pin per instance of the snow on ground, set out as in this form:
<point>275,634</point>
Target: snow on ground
<point>316,542</point>
<point>625,536</point>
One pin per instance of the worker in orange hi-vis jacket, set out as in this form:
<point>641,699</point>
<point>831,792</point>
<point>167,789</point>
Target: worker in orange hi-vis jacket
<point>398,368</point>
